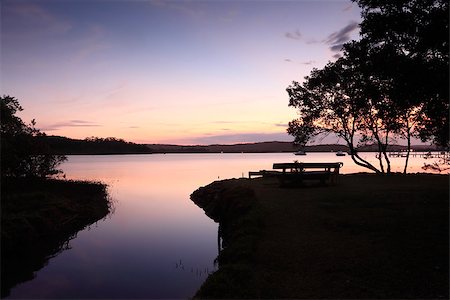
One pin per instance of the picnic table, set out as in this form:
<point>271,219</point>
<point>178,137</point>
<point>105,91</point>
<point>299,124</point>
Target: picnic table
<point>297,172</point>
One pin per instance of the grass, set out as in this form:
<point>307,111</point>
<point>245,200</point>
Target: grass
<point>38,217</point>
<point>366,237</point>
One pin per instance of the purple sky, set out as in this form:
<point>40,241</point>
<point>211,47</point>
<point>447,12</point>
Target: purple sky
<point>166,71</point>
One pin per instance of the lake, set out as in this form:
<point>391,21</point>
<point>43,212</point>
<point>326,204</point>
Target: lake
<point>156,243</point>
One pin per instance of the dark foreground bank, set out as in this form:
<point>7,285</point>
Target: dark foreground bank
<point>366,237</point>
<point>39,217</point>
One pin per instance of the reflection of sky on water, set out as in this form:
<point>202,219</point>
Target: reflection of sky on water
<point>136,252</point>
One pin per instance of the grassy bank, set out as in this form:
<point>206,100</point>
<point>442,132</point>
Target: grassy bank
<point>366,237</point>
<point>38,217</point>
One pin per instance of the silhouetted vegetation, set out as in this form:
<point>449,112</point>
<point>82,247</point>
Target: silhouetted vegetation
<point>24,152</point>
<point>391,84</point>
<point>93,145</point>
<point>413,36</point>
<point>39,214</point>
<point>39,217</point>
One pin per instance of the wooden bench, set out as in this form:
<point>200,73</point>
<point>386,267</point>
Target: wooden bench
<point>263,173</point>
<point>295,173</point>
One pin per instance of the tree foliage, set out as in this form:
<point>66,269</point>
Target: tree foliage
<point>334,100</point>
<point>93,145</point>
<point>391,84</point>
<point>23,154</point>
<point>416,32</point>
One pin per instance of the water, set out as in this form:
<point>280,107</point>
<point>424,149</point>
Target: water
<point>157,243</point>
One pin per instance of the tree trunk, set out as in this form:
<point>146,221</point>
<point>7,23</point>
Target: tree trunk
<point>365,164</point>
<point>362,162</point>
<point>408,150</point>
<point>386,157</point>
<point>380,158</point>
<point>357,159</point>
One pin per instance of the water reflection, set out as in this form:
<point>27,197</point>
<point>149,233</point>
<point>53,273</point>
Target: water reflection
<point>133,254</point>
<point>219,239</point>
<point>20,264</point>
<point>158,244</point>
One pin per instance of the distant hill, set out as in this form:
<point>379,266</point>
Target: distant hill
<point>235,148</point>
<point>271,147</point>
<point>64,145</point>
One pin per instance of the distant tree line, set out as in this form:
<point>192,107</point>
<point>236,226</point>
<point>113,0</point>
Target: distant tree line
<point>28,152</point>
<point>391,84</point>
<point>93,145</point>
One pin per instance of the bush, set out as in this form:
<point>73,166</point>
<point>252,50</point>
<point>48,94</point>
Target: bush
<point>23,154</point>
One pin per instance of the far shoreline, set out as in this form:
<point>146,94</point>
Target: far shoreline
<point>224,152</point>
<point>111,146</point>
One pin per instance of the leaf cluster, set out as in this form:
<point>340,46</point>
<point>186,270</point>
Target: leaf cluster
<point>413,36</point>
<point>23,153</point>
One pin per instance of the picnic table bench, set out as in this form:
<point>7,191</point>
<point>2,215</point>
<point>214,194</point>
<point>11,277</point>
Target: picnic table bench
<point>264,173</point>
<point>295,173</point>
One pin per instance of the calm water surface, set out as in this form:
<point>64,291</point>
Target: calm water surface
<point>157,243</point>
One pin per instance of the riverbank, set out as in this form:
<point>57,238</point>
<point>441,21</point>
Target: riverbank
<point>366,237</point>
<point>38,217</point>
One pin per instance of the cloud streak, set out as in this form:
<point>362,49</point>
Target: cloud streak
<point>71,123</point>
<point>335,40</point>
<point>307,63</point>
<point>338,38</point>
<point>296,35</point>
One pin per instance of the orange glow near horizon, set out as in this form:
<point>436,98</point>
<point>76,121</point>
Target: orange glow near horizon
<point>185,124</point>
<point>191,73</point>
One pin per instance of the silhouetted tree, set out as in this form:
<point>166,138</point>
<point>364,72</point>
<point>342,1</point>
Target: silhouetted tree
<point>23,154</point>
<point>398,102</point>
<point>342,99</point>
<point>414,36</point>
<point>417,34</point>
<point>392,83</point>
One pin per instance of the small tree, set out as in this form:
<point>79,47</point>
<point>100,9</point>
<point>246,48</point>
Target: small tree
<point>417,34</point>
<point>23,154</point>
<point>391,84</point>
<point>343,100</point>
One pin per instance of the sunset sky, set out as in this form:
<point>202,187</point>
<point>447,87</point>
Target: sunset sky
<point>181,72</point>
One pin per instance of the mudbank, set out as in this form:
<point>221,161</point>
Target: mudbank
<point>39,218</point>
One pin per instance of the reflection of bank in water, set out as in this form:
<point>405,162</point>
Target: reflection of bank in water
<point>40,218</point>
<point>20,264</point>
<point>219,241</point>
